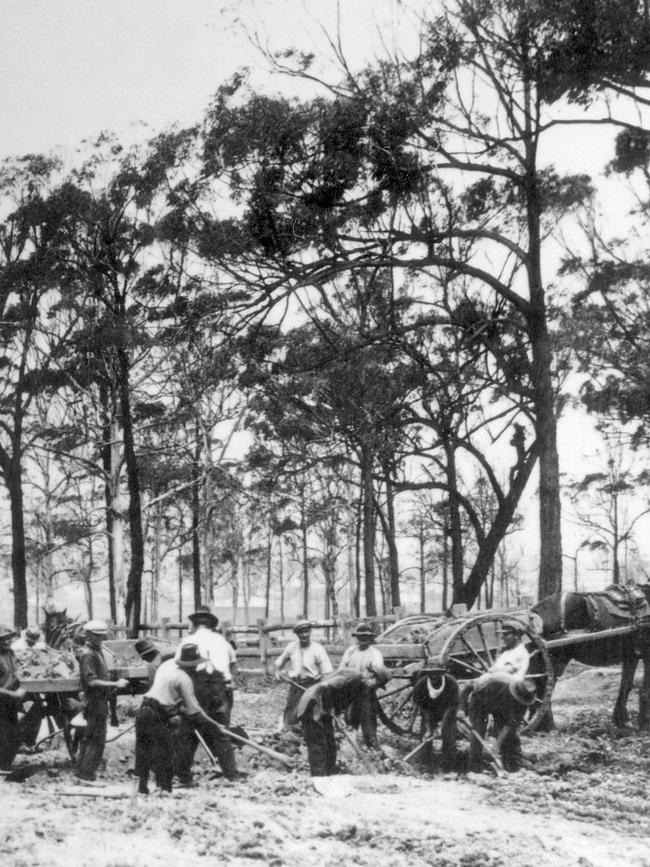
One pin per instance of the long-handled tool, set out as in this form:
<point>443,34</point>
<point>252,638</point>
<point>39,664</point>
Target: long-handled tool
<point>206,748</point>
<point>417,749</point>
<point>272,754</point>
<point>340,728</point>
<point>498,767</point>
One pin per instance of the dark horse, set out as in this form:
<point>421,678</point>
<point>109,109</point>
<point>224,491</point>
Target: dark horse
<point>563,612</point>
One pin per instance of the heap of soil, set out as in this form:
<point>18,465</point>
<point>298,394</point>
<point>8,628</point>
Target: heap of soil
<point>45,662</point>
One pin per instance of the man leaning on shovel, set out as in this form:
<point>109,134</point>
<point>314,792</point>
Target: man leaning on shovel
<point>301,664</point>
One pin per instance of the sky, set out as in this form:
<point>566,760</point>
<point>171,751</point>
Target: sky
<point>73,68</point>
<point>70,69</point>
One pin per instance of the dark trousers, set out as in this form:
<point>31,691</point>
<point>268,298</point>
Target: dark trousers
<point>153,746</point>
<point>506,727</point>
<point>230,700</point>
<point>31,723</point>
<point>92,746</point>
<point>362,713</point>
<point>321,744</point>
<point>220,746</point>
<point>9,733</point>
<point>294,695</point>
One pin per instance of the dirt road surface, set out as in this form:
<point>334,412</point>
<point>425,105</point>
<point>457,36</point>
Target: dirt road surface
<point>582,802</point>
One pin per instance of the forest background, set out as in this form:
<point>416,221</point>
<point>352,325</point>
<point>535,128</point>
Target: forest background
<point>366,327</point>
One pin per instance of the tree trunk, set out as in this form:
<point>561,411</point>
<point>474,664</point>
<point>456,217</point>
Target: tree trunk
<point>455,528</point>
<point>196,520</point>
<point>281,577</point>
<point>155,561</point>
<point>107,465</point>
<point>390,533</point>
<point>502,519</point>
<point>423,580</point>
<point>134,581</point>
<point>550,559</point>
<point>305,556</point>
<point>116,515</point>
<point>269,556</point>
<point>18,564</point>
<point>368,533</point>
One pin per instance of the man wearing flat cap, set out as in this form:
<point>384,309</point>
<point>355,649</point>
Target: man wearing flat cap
<point>301,664</point>
<point>97,687</point>
<point>514,658</point>
<point>214,647</point>
<point>367,661</point>
<point>11,697</point>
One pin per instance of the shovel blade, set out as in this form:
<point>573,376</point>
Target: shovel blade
<point>332,787</point>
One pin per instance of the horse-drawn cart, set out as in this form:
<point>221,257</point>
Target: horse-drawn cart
<point>54,700</point>
<point>466,646</point>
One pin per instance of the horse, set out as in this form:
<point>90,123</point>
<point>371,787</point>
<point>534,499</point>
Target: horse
<point>562,612</point>
<point>61,633</point>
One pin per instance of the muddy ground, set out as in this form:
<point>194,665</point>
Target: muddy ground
<point>584,801</point>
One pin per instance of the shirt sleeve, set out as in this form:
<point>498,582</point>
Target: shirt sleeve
<point>522,662</point>
<point>187,695</point>
<point>281,661</point>
<point>324,661</point>
<point>87,669</point>
<point>345,658</point>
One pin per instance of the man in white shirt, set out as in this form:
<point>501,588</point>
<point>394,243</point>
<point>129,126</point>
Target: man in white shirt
<point>369,663</point>
<point>514,659</point>
<point>302,664</point>
<point>213,646</point>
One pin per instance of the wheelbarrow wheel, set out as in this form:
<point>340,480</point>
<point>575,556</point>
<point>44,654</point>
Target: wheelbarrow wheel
<point>396,709</point>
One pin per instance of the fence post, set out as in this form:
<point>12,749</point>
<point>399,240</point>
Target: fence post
<point>263,645</point>
<point>346,631</point>
<point>225,630</point>
<point>164,628</point>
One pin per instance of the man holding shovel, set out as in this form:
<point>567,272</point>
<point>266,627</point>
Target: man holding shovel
<point>301,664</point>
<point>317,711</point>
<point>367,661</point>
<point>172,693</point>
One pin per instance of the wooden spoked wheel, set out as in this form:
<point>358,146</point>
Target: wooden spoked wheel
<point>395,707</point>
<point>472,648</point>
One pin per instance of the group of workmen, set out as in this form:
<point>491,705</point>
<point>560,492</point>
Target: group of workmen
<point>190,700</point>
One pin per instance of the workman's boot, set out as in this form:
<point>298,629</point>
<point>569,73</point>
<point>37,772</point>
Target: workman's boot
<point>226,756</point>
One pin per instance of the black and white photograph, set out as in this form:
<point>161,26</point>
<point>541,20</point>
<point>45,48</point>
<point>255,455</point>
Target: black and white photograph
<point>324,472</point>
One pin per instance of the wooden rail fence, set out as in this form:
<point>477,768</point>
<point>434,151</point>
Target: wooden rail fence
<point>261,649</point>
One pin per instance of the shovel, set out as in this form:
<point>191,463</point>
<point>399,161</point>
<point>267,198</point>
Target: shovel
<point>332,787</point>
<point>498,767</point>
<point>272,754</point>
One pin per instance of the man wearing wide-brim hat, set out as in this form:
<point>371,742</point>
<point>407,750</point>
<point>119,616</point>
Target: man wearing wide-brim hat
<point>506,699</point>
<point>171,696</point>
<point>11,697</point>
<point>213,646</point>
<point>301,664</point>
<point>96,686</point>
<point>369,663</point>
<point>152,655</point>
